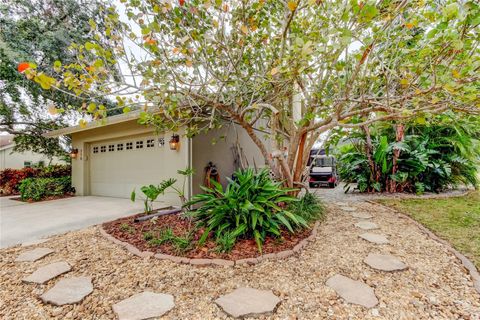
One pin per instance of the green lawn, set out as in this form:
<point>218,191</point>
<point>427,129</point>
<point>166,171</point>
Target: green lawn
<point>456,220</point>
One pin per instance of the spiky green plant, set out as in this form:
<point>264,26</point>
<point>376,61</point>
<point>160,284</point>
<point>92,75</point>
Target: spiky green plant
<point>251,206</point>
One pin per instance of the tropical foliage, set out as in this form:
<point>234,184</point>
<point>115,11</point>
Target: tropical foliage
<point>252,206</point>
<point>429,157</point>
<point>309,207</point>
<point>297,68</point>
<point>151,192</point>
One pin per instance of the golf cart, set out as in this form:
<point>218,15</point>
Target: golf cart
<point>323,171</point>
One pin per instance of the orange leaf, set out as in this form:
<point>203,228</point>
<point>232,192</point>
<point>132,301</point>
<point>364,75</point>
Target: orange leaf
<point>409,25</point>
<point>181,2</point>
<point>23,66</point>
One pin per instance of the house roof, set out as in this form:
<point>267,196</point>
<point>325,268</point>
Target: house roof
<point>95,124</point>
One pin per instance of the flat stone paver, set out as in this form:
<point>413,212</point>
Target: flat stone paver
<point>48,272</point>
<point>145,305</point>
<point>375,238</point>
<point>361,215</point>
<point>68,291</point>
<point>34,255</point>
<point>244,302</point>
<point>349,209</point>
<point>353,291</point>
<point>33,242</point>
<point>384,262</point>
<point>366,225</point>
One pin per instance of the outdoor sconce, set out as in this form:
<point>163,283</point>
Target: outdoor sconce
<point>74,153</point>
<point>174,142</point>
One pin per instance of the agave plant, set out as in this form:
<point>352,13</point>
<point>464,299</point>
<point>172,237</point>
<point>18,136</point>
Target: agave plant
<point>251,206</point>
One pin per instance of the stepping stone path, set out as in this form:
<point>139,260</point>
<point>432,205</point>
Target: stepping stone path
<point>48,272</point>
<point>361,215</point>
<point>33,242</point>
<point>34,255</point>
<point>375,238</point>
<point>244,302</point>
<point>145,305</point>
<point>68,291</point>
<point>366,225</point>
<point>384,262</point>
<point>353,291</point>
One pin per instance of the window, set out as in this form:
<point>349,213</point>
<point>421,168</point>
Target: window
<point>120,147</point>
<point>161,142</point>
<point>139,144</point>
<point>150,143</point>
<point>95,149</point>
<point>41,164</point>
<point>27,164</point>
<point>103,148</point>
<point>111,147</point>
<point>129,145</point>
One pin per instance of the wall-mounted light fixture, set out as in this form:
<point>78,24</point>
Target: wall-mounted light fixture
<point>74,153</point>
<point>174,142</point>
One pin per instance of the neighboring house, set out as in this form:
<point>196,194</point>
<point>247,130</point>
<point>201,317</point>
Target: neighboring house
<point>10,159</point>
<point>114,158</point>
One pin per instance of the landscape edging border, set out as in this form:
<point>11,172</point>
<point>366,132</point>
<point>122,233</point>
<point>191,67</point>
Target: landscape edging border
<point>467,264</point>
<point>214,262</point>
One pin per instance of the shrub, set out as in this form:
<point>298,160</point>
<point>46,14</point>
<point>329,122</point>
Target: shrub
<point>251,206</point>
<point>309,207</point>
<point>10,179</point>
<point>430,157</point>
<point>55,171</point>
<point>37,189</point>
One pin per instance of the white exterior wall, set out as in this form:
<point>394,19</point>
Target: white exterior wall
<point>16,160</point>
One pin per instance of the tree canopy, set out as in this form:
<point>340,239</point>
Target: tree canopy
<point>298,67</point>
<point>38,33</point>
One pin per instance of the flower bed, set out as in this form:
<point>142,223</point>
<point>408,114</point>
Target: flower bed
<point>133,233</point>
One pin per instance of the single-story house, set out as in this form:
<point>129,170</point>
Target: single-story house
<point>10,159</point>
<point>113,158</point>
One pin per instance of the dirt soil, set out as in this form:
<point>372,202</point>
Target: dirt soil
<point>181,226</point>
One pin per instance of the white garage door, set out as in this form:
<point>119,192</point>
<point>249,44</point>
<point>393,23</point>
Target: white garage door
<point>119,166</point>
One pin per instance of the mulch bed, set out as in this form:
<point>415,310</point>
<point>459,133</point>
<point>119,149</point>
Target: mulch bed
<point>244,248</point>
<point>63,196</point>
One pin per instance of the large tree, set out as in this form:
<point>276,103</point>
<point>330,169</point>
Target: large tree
<point>39,32</point>
<point>300,67</point>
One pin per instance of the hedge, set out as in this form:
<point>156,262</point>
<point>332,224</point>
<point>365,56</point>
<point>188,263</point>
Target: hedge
<point>10,179</point>
<point>37,189</point>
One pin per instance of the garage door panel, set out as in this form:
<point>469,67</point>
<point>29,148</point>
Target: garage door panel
<point>119,166</point>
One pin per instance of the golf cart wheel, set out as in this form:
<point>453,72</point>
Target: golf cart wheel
<point>312,185</point>
<point>331,185</point>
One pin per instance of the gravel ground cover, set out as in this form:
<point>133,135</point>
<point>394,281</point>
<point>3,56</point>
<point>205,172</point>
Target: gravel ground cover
<point>434,286</point>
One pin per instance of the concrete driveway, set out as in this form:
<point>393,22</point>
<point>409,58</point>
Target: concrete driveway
<point>21,222</point>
